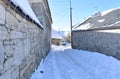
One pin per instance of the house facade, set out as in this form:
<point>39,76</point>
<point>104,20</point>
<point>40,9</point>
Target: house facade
<point>56,41</point>
<point>24,40</point>
<point>56,38</point>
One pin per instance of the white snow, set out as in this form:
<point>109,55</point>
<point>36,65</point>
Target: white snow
<point>26,8</point>
<point>107,11</point>
<point>84,26</point>
<point>102,20</point>
<point>56,34</point>
<point>67,63</point>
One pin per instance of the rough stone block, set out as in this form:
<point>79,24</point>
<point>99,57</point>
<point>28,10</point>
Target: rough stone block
<point>12,22</point>
<point>27,46</point>
<point>117,55</point>
<point>6,42</point>
<point>19,53</point>
<point>23,27</point>
<point>24,63</point>
<point>16,34</point>
<point>25,73</point>
<point>18,17</point>
<point>2,15</point>
<point>32,51</point>
<point>6,75</point>
<point>15,73</point>
<point>9,51</point>
<point>3,33</point>
<point>9,63</point>
<point>12,73</point>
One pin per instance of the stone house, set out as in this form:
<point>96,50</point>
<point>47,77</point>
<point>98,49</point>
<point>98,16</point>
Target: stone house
<point>56,41</point>
<point>24,38</point>
<point>56,38</point>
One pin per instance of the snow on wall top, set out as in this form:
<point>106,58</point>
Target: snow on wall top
<point>26,8</point>
<point>104,19</point>
<point>55,34</point>
<point>108,11</point>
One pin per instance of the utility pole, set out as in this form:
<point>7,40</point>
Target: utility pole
<point>71,21</point>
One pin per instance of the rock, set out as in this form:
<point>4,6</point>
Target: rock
<point>41,71</point>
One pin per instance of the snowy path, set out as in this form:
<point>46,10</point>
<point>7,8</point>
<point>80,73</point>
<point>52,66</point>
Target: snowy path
<point>63,63</point>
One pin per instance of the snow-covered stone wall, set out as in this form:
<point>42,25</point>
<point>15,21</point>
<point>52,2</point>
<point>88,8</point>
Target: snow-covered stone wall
<point>21,45</point>
<point>106,41</point>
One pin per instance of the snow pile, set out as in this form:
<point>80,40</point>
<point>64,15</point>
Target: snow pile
<point>104,19</point>
<point>56,35</point>
<point>64,63</point>
<point>26,8</point>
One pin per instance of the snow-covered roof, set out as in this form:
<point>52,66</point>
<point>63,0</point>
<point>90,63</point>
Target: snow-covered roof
<point>108,11</point>
<point>56,35</point>
<point>104,19</point>
<point>26,8</point>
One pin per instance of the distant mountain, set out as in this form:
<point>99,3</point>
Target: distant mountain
<point>107,18</point>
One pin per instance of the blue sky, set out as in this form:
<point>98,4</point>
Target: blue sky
<point>81,9</point>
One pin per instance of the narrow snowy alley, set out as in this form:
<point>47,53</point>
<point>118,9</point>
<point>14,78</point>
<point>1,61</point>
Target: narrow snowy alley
<point>67,63</point>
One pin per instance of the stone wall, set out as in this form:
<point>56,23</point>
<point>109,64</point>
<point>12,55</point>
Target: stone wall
<point>44,17</point>
<point>106,41</point>
<point>21,45</point>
